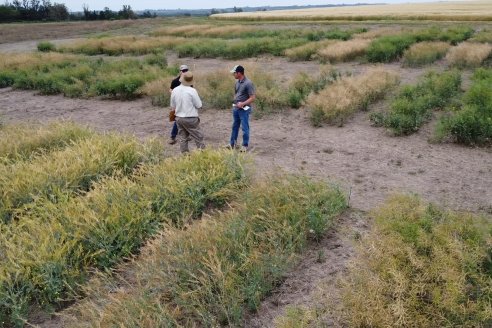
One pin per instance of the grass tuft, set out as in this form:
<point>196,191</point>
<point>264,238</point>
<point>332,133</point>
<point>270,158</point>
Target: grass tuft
<point>420,266</point>
<point>340,100</point>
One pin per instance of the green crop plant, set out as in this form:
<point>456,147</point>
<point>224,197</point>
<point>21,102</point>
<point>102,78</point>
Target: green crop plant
<point>72,169</point>
<point>472,124</point>
<point>420,266</point>
<point>220,267</point>
<point>388,48</point>
<point>423,53</point>
<point>48,253</point>
<point>46,46</point>
<point>414,104</point>
<point>21,141</point>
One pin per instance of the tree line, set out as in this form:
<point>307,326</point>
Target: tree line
<point>44,10</point>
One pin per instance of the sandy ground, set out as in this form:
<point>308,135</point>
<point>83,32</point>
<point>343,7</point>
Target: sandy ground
<point>366,162</point>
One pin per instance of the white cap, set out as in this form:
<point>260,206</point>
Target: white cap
<point>183,67</point>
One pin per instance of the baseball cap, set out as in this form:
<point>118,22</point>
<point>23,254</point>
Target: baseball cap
<point>237,68</point>
<point>183,67</point>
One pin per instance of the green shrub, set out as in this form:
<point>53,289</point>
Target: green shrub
<point>421,266</point>
<point>237,49</point>
<point>388,48</point>
<point>125,86</point>
<point>7,78</point>
<point>86,77</point>
<point>46,46</point>
<point>473,123</point>
<point>452,35</point>
<point>414,104</point>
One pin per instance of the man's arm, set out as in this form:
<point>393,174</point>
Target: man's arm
<point>173,101</point>
<point>197,102</point>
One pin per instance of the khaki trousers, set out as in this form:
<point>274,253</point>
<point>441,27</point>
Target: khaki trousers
<point>189,127</point>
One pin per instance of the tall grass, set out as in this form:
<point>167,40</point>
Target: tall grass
<point>211,273</point>
<point>340,100</point>
<point>237,48</point>
<point>51,251</point>
<point>391,47</point>
<point>251,32</point>
<point>70,170</point>
<point>423,53</point>
<point>76,77</point>
<point>115,46</point>
<point>472,124</point>
<point>210,31</point>
<point>415,103</point>
<point>306,51</point>
<point>344,50</point>
<point>420,266</point>
<point>468,54</point>
<point>484,36</point>
<point>18,141</point>
<point>217,89</point>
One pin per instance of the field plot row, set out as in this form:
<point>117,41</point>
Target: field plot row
<point>56,238</point>
<point>419,266</point>
<point>213,272</point>
<point>243,41</point>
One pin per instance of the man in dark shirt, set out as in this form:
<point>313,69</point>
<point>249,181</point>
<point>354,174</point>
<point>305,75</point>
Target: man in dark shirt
<point>175,82</point>
<point>242,106</point>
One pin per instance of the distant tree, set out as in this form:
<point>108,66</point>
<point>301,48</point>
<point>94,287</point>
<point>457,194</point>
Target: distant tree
<point>58,12</point>
<point>237,10</point>
<point>87,13</point>
<point>127,12</point>
<point>8,13</point>
<point>214,11</point>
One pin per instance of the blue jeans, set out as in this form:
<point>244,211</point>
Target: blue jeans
<point>174,131</point>
<point>240,118</point>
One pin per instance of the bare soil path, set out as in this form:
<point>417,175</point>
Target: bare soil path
<point>365,161</point>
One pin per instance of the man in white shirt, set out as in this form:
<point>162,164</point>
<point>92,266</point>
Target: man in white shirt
<point>186,102</point>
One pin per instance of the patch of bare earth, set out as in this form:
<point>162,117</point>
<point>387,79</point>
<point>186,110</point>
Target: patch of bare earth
<point>365,161</point>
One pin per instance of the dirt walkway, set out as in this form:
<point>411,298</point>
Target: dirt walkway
<point>367,163</point>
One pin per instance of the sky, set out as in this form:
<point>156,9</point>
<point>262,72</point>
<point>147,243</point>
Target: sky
<point>76,5</point>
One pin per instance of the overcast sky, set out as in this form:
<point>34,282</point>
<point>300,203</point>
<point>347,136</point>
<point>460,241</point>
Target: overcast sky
<point>76,5</point>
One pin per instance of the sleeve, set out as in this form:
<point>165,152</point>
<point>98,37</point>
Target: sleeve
<point>196,99</point>
<point>173,100</point>
<point>174,83</point>
<point>251,89</point>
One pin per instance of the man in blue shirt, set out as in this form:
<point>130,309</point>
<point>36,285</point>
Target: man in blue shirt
<point>241,108</point>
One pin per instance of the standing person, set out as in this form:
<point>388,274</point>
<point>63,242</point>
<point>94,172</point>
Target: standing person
<point>186,102</point>
<point>175,83</point>
<point>241,108</point>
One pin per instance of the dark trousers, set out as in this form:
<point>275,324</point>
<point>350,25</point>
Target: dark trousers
<point>174,131</point>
